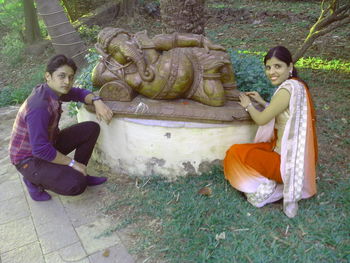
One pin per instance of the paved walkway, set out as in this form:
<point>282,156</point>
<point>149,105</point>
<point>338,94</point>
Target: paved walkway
<point>64,229</point>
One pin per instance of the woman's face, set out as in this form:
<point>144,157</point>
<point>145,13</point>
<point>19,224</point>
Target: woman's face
<point>277,71</point>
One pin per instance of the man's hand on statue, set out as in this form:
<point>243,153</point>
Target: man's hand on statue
<point>256,96</point>
<point>80,167</point>
<point>103,112</point>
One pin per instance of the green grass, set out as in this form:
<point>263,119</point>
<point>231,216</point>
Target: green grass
<point>188,224</point>
<point>11,96</point>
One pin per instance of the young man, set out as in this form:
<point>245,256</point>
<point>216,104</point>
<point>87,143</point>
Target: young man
<point>39,149</point>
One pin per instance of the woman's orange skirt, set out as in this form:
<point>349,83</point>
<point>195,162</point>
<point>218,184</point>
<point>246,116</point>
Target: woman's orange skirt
<point>249,160</point>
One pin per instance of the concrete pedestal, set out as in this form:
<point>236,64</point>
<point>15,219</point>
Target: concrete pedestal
<point>143,147</point>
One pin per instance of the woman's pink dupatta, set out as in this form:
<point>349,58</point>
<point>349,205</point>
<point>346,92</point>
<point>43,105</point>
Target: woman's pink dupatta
<point>298,147</point>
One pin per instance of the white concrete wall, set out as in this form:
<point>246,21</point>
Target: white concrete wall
<point>140,147</point>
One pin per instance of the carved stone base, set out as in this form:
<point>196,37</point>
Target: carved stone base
<point>146,147</point>
<point>180,110</point>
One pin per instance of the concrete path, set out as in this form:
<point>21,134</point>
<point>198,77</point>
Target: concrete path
<point>64,229</point>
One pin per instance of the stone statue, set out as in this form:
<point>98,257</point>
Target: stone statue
<point>167,66</point>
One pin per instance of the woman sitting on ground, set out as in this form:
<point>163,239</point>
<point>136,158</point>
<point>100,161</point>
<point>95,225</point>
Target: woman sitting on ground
<point>281,161</point>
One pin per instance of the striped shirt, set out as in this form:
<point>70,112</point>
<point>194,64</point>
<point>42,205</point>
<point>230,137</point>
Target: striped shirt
<point>35,129</point>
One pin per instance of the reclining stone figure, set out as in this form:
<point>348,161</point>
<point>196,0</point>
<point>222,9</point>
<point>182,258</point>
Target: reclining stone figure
<point>167,66</point>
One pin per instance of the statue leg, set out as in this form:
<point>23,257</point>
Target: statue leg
<point>210,91</point>
<point>229,82</point>
<point>228,77</point>
<point>117,90</point>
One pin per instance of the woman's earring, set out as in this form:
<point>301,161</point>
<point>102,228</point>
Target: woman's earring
<point>291,73</point>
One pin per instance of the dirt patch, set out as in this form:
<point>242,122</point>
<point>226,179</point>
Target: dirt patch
<point>246,16</point>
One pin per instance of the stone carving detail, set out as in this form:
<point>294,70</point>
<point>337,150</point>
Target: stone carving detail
<point>167,66</point>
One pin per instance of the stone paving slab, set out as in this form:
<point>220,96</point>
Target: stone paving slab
<point>6,176</point>
<point>115,254</point>
<point>30,253</point>
<point>64,229</point>
<point>72,253</point>
<point>48,212</point>
<point>13,208</point>
<point>96,237</point>
<point>56,236</point>
<point>16,234</point>
<point>75,206</point>
<point>10,189</point>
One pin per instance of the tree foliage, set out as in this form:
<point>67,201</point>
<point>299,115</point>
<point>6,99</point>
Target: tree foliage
<point>11,16</point>
<point>334,14</point>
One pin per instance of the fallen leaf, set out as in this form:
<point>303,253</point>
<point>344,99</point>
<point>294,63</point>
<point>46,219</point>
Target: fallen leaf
<point>106,253</point>
<point>205,191</point>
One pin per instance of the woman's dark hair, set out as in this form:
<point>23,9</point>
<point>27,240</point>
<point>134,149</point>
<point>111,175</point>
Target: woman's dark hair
<point>283,54</point>
<point>59,61</point>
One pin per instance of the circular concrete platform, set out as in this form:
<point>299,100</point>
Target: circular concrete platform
<point>144,147</point>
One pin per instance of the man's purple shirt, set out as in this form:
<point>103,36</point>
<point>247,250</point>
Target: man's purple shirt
<point>35,129</point>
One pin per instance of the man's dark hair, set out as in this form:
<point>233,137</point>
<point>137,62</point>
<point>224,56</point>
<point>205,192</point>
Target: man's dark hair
<point>59,61</point>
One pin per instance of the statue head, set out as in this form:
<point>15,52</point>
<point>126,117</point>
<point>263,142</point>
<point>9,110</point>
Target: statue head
<point>121,46</point>
<point>106,47</point>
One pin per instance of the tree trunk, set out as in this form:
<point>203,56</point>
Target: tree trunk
<point>64,37</point>
<point>71,8</point>
<point>32,29</point>
<point>127,9</point>
<point>183,16</point>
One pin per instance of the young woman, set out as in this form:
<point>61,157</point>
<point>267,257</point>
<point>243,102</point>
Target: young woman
<point>39,149</point>
<point>281,161</point>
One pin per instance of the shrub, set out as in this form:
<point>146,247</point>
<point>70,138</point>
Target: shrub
<point>250,75</point>
<point>13,49</point>
<point>10,95</point>
<point>89,33</point>
<point>84,79</point>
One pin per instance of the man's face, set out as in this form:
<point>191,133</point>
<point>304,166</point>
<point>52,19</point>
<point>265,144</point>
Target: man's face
<point>61,80</point>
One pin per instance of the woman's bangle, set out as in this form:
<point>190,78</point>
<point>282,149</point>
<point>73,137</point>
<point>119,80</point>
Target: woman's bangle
<point>246,108</point>
<point>72,162</point>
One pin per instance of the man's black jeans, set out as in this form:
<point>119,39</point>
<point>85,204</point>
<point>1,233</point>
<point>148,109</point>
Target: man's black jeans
<point>63,179</point>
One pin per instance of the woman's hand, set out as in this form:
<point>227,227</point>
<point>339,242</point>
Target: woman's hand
<point>244,100</point>
<point>103,112</point>
<point>256,96</point>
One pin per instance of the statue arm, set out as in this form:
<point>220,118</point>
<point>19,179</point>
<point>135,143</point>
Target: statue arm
<point>169,41</point>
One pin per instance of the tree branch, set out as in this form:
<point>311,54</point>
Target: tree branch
<point>338,17</point>
<point>334,17</point>
<point>332,27</point>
